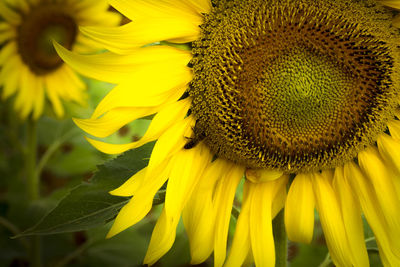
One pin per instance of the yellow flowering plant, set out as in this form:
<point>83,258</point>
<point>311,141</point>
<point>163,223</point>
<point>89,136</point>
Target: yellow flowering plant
<point>296,100</point>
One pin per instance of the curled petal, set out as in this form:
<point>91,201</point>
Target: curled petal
<point>353,223</point>
<point>331,219</point>
<point>299,209</point>
<point>382,180</point>
<point>260,222</point>
<point>223,200</point>
<point>388,243</point>
<point>241,244</point>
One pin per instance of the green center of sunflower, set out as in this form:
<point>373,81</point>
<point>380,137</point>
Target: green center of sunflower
<point>292,85</point>
<point>40,26</point>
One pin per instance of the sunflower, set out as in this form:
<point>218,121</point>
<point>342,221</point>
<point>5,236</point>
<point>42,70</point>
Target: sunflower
<point>298,94</point>
<point>30,67</point>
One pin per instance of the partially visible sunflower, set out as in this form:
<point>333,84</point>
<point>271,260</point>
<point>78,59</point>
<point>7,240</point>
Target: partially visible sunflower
<point>274,91</point>
<point>30,67</point>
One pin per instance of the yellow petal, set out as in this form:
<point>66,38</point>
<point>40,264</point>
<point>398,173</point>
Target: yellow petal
<point>131,186</point>
<point>85,45</point>
<point>262,175</point>
<point>112,120</point>
<point>66,85</point>
<point>162,239</point>
<point>113,148</point>
<point>394,128</point>
<point>198,215</point>
<point>107,19</point>
<point>126,38</point>
<point>95,13</point>
<point>22,5</point>
<point>86,5</point>
<point>72,77</point>
<point>187,170</point>
<point>8,14</point>
<point>261,235</point>
<point>279,201</point>
<point>148,87</point>
<point>25,99</point>
<point>353,223</point>
<point>7,51</point>
<point>157,102</point>
<point>223,200</point>
<point>241,240</point>
<point>170,142</point>
<point>70,86</point>
<point>141,203</point>
<point>190,10</point>
<point>108,67</point>
<point>7,36</point>
<point>331,220</point>
<point>38,98</point>
<point>382,180</point>
<point>115,68</point>
<point>168,116</point>
<point>4,26</point>
<point>389,149</point>
<point>9,78</point>
<point>393,3</point>
<point>130,214</point>
<point>202,6</point>
<point>198,218</point>
<point>299,209</point>
<point>387,241</point>
<point>52,83</point>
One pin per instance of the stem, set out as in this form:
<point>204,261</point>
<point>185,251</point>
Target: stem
<point>327,261</point>
<point>36,251</point>
<point>74,254</point>
<point>51,150</point>
<point>33,187</point>
<point>14,230</point>
<point>13,123</point>
<point>281,249</point>
<point>370,239</point>
<point>30,161</point>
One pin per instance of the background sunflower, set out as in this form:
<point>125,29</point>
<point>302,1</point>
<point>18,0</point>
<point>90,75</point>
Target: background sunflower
<point>30,67</point>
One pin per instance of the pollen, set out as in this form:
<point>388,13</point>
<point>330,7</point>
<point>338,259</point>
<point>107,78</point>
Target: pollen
<point>293,85</point>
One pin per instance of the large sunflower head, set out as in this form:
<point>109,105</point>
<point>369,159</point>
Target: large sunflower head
<point>292,85</point>
<point>30,66</point>
<point>266,91</point>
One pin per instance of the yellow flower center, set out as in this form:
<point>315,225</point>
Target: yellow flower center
<point>40,26</point>
<point>293,85</point>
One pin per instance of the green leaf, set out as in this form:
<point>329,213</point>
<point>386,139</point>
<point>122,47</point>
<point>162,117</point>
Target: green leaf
<point>89,204</point>
<point>125,249</point>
